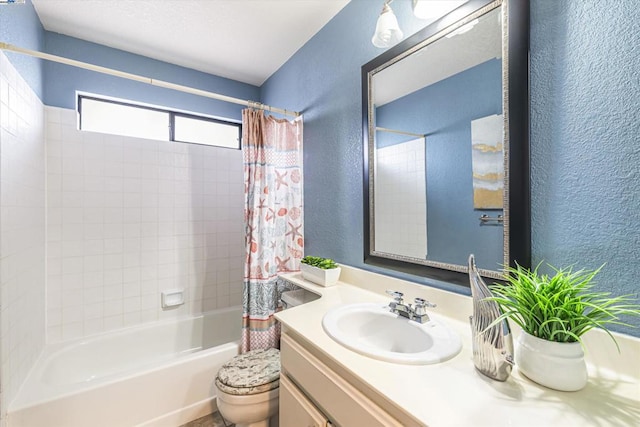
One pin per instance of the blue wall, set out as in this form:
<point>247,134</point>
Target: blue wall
<point>62,80</point>
<point>20,26</point>
<point>585,138</point>
<point>444,112</point>
<point>323,81</point>
<point>585,111</point>
<point>56,84</point>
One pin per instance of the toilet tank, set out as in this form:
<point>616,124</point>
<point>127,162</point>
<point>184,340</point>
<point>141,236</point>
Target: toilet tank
<point>297,297</point>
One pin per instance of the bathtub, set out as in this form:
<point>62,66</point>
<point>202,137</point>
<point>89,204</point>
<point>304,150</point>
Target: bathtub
<point>156,375</point>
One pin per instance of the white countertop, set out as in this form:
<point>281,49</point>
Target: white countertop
<point>453,393</point>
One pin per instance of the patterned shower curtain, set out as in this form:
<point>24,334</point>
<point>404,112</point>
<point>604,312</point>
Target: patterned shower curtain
<point>272,150</point>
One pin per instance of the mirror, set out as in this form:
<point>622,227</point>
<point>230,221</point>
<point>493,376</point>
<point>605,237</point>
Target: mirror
<point>445,119</point>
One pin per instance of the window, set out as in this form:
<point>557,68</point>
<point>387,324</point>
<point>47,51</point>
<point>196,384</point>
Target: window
<point>121,118</point>
<point>198,130</point>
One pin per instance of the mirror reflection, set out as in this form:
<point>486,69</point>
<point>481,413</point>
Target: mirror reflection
<point>436,150</point>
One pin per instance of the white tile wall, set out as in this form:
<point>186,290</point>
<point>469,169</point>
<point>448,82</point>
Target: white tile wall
<point>128,218</point>
<point>401,199</point>
<point>22,230</point>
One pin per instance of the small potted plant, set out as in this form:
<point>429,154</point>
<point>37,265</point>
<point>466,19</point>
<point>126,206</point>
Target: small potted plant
<point>554,312</point>
<point>322,271</point>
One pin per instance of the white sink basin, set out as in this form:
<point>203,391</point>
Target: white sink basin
<point>370,329</point>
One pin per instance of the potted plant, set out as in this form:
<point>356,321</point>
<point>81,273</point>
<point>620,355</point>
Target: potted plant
<point>554,312</point>
<point>322,271</point>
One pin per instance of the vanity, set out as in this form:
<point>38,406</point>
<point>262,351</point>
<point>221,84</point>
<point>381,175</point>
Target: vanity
<point>325,383</point>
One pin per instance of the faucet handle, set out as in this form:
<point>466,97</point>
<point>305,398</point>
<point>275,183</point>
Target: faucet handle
<point>421,304</point>
<point>397,296</point>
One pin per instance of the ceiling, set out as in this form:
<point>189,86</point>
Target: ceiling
<point>244,40</point>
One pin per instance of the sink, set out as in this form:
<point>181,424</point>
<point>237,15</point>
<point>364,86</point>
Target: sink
<point>372,330</point>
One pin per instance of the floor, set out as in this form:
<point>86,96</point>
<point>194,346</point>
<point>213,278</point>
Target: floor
<point>211,420</point>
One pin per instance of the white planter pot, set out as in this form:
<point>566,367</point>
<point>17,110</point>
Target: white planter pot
<point>556,365</point>
<point>320,276</point>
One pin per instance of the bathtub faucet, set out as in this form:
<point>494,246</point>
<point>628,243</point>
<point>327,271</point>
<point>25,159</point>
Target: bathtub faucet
<point>417,313</point>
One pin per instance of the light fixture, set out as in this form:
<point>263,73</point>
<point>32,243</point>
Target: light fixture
<point>434,9</point>
<point>388,31</point>
<point>464,29</point>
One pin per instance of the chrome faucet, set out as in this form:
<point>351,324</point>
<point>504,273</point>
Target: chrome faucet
<point>417,313</point>
<point>420,310</point>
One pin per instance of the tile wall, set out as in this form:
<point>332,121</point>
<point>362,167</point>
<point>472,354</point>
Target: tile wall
<point>401,199</point>
<point>128,218</point>
<point>22,230</point>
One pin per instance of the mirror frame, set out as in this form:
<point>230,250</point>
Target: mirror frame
<point>517,210</point>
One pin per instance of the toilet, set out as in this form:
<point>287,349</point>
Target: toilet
<point>248,393</point>
<point>248,388</point>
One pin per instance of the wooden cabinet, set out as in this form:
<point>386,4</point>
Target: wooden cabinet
<point>319,393</point>
<point>296,410</point>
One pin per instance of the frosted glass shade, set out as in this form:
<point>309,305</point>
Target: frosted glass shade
<point>388,31</point>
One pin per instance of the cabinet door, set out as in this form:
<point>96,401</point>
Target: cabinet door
<point>340,400</point>
<point>295,409</point>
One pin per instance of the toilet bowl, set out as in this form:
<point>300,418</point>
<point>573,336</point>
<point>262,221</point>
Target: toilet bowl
<point>248,388</point>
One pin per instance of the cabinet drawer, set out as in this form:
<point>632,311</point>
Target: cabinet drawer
<point>295,409</point>
<point>339,400</point>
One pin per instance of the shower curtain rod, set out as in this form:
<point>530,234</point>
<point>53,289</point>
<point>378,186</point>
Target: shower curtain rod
<point>400,132</point>
<point>147,80</point>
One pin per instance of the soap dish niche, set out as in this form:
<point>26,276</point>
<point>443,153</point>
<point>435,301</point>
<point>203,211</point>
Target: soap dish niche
<point>172,298</point>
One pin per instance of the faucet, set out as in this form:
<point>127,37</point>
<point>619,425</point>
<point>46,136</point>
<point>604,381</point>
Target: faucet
<point>417,313</point>
<point>420,310</point>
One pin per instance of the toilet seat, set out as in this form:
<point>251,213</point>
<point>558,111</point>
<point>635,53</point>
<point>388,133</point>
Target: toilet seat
<point>256,371</point>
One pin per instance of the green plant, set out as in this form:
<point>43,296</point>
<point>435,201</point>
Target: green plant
<point>316,261</point>
<point>562,307</point>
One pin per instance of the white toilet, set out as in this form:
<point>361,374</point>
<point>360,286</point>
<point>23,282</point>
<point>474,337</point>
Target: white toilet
<point>248,388</point>
<point>248,393</point>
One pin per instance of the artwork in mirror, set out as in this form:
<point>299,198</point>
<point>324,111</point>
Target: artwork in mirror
<point>441,144</point>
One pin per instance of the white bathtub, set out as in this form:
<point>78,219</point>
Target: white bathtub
<point>157,375</point>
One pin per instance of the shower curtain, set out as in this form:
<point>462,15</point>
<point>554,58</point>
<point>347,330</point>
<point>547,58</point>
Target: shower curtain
<point>273,214</point>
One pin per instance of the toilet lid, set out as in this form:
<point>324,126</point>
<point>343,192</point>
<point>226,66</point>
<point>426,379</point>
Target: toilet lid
<point>253,372</point>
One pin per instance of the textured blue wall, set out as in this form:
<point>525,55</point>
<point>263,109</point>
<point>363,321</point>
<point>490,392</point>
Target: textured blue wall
<point>444,111</point>
<point>323,81</point>
<point>61,81</point>
<point>56,84</point>
<point>585,110</point>
<point>20,26</point>
<point>585,138</point>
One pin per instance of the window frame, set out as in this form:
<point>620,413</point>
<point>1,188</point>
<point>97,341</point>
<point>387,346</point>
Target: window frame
<point>171,118</point>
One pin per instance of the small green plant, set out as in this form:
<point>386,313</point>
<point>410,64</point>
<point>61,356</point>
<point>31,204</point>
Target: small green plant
<point>316,261</point>
<point>562,307</point>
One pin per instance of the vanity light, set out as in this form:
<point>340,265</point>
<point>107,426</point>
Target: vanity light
<point>434,9</point>
<point>388,31</point>
<point>464,29</point>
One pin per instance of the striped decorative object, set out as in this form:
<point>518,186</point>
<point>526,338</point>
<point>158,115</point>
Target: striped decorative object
<point>492,345</point>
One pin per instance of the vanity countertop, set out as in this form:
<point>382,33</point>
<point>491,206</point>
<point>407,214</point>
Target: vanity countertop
<point>453,393</point>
